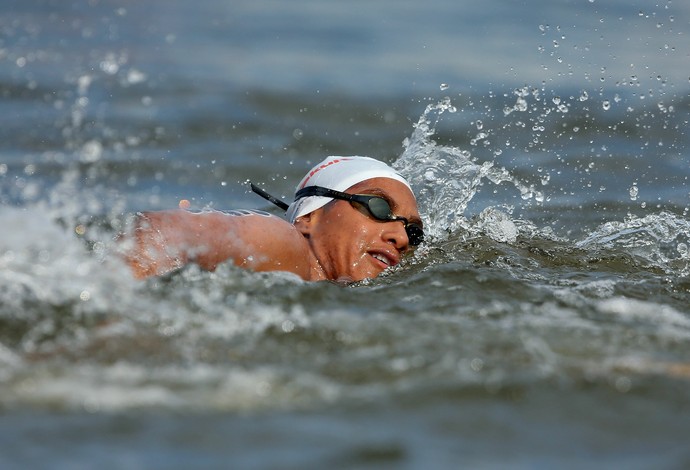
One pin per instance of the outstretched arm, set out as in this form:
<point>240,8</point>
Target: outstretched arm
<point>163,241</point>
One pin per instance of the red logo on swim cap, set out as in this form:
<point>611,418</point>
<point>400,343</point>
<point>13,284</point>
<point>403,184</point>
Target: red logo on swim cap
<point>321,167</point>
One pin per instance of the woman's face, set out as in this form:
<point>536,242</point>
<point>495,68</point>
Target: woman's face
<point>350,244</point>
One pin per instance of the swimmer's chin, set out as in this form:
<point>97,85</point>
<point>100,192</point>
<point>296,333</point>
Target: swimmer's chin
<point>344,280</point>
<point>360,275</point>
<point>347,280</point>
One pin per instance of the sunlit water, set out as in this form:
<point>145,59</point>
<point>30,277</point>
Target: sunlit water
<point>546,323</point>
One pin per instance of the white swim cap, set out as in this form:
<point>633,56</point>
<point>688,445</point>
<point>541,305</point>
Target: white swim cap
<point>339,173</point>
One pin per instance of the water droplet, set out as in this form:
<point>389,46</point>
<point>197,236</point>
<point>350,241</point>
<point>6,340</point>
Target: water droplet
<point>288,326</point>
<point>91,151</point>
<point>633,193</point>
<point>444,86</point>
<point>134,76</point>
<point>110,65</point>
<point>476,364</point>
<point>623,384</point>
<point>521,104</point>
<point>606,105</point>
<point>83,84</point>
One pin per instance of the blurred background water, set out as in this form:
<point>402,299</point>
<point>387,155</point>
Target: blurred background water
<point>545,323</point>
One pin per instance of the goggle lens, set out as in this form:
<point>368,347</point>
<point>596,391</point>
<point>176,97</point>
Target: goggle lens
<point>381,210</point>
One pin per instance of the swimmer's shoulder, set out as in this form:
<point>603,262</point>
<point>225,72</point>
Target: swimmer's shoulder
<point>262,241</point>
<point>252,220</point>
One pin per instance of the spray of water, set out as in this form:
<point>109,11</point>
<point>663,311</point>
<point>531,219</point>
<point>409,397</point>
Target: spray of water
<point>446,179</point>
<point>662,239</point>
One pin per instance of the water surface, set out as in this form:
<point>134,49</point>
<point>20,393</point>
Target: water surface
<point>545,323</point>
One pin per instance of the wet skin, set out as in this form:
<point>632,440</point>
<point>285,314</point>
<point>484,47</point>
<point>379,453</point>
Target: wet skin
<point>338,242</point>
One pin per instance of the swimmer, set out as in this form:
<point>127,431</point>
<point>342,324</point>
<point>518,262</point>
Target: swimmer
<point>351,218</point>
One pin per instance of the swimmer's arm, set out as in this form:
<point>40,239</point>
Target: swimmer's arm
<point>167,240</point>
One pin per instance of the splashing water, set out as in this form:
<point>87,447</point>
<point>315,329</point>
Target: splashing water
<point>446,178</point>
<point>661,239</point>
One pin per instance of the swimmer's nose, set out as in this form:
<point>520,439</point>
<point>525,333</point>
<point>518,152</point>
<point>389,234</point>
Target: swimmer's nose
<point>396,234</point>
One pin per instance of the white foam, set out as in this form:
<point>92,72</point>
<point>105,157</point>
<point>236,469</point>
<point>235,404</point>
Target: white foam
<point>662,316</point>
<point>498,225</point>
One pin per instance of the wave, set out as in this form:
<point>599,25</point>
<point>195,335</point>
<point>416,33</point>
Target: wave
<point>495,300</point>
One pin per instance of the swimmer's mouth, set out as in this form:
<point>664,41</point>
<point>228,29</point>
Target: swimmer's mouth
<point>384,258</point>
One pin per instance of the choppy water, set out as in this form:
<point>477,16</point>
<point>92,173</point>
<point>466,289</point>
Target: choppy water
<point>546,323</point>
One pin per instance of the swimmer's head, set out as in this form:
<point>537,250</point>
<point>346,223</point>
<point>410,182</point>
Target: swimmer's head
<point>338,173</point>
<point>359,215</point>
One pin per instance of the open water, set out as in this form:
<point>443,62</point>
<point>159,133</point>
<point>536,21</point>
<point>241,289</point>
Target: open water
<point>545,324</point>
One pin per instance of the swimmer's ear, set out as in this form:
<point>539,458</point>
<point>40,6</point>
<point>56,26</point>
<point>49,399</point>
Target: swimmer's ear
<point>305,224</point>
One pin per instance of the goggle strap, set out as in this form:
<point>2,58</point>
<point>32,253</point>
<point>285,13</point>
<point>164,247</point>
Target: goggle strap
<point>268,197</point>
<point>322,192</point>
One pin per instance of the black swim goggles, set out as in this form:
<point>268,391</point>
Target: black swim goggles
<point>376,206</point>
